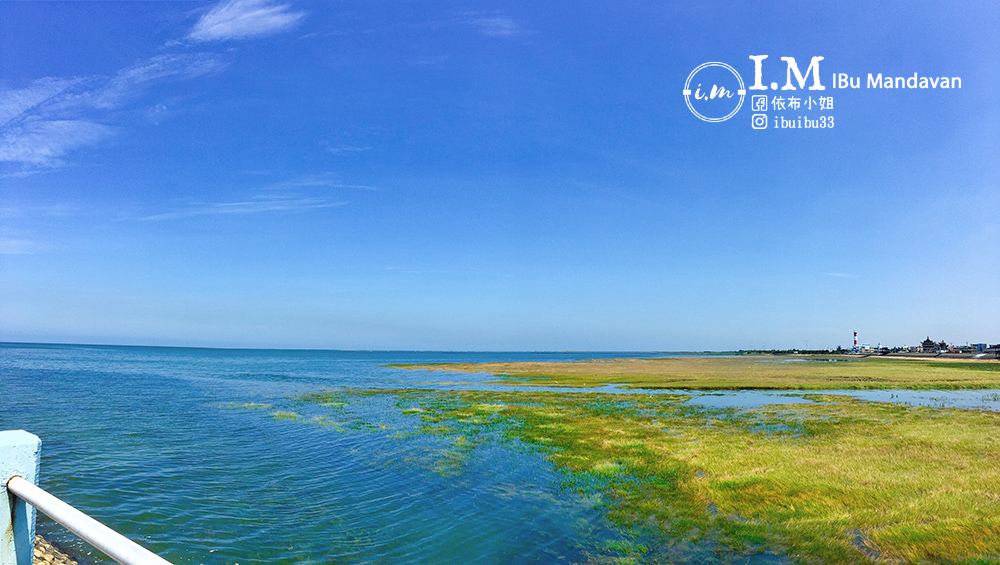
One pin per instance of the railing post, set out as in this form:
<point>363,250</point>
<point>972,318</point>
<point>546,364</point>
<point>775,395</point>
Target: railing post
<point>20,453</point>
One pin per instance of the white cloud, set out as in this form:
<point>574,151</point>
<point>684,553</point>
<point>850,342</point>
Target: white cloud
<point>258,205</point>
<point>348,149</point>
<point>242,19</point>
<point>53,116</point>
<point>44,142</point>
<point>327,180</point>
<point>13,103</point>
<point>129,81</point>
<point>498,27</point>
<point>42,211</point>
<point>13,246</point>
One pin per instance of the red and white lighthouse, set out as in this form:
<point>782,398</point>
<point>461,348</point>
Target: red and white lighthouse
<point>855,339</point>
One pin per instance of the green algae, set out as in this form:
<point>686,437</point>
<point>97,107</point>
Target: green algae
<point>839,481</point>
<point>808,481</point>
<point>248,406</point>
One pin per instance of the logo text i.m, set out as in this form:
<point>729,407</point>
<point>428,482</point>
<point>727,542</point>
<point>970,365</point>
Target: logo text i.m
<point>791,69</point>
<point>714,92</point>
<point>715,103</point>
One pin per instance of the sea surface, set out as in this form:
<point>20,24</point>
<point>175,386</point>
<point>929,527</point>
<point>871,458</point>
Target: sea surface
<point>181,450</point>
<point>158,444</point>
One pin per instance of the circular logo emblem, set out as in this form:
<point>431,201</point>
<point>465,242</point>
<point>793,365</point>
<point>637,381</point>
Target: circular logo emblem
<point>717,102</point>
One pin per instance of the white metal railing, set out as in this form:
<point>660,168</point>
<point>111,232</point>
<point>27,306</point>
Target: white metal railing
<point>19,455</point>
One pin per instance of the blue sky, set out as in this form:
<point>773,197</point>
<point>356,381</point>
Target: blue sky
<point>513,176</point>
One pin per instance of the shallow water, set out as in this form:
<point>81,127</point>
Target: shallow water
<point>966,399</point>
<point>180,450</point>
<point>974,399</point>
<point>165,445</point>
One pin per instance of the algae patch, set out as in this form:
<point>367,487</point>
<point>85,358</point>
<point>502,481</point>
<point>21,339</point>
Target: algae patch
<point>248,406</point>
<point>917,484</point>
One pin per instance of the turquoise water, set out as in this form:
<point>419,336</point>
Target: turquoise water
<point>152,442</point>
<point>173,448</point>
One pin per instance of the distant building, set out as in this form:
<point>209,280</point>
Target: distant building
<point>928,345</point>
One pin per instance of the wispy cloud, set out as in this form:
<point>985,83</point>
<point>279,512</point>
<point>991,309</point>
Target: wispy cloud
<point>348,149</point>
<point>435,61</point>
<point>14,103</point>
<point>130,81</point>
<point>44,142</point>
<point>327,180</point>
<point>14,246</point>
<point>244,19</point>
<point>498,27</point>
<point>256,205</point>
<point>11,212</point>
<point>40,124</point>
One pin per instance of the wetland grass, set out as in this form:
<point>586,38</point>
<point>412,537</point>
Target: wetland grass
<point>914,484</point>
<point>839,481</point>
<point>802,372</point>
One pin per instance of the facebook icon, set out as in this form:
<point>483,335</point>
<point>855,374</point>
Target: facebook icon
<point>758,103</point>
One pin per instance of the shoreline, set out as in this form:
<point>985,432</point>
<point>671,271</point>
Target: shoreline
<point>47,553</point>
<point>987,356</point>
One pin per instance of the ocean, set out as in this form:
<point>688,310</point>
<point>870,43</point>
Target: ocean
<point>181,450</point>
